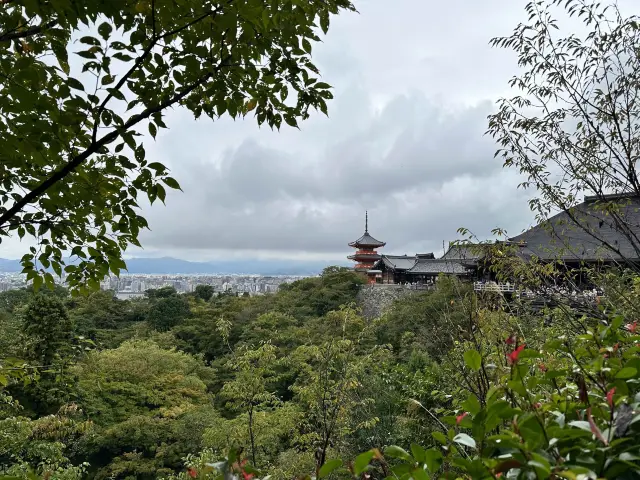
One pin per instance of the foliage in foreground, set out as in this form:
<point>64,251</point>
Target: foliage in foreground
<point>569,410</point>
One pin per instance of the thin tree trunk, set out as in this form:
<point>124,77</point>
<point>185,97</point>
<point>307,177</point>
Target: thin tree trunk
<point>253,445</point>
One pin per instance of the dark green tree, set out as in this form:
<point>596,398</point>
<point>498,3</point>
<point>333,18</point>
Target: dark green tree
<point>205,292</point>
<point>49,328</point>
<point>11,299</point>
<point>49,345</point>
<point>162,292</point>
<point>166,313</point>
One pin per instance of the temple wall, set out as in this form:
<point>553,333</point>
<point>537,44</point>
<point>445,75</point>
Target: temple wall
<point>374,300</point>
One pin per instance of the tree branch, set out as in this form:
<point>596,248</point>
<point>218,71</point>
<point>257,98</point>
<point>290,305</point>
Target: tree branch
<point>96,146</point>
<point>28,32</point>
<point>140,59</point>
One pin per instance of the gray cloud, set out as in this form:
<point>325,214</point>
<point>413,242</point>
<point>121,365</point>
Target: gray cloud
<point>422,170</point>
<point>405,140</point>
<point>414,82</point>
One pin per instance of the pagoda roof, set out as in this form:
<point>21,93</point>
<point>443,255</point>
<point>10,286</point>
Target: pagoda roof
<point>367,240</point>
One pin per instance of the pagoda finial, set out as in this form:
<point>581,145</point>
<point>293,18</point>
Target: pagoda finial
<point>366,221</point>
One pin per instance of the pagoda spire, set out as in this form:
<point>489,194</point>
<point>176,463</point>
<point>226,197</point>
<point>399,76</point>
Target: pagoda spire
<point>366,254</point>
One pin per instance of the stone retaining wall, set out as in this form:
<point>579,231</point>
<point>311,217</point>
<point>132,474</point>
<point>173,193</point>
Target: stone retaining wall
<point>376,299</point>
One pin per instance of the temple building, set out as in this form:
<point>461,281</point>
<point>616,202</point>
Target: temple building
<point>608,234</point>
<point>366,254</point>
<point>421,268</point>
<point>401,269</point>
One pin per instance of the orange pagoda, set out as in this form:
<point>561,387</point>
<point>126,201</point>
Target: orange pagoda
<point>366,254</point>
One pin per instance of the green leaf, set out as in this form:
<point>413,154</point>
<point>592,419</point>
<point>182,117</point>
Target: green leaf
<point>518,387</point>
<point>37,283</point>
<point>627,372</point>
<point>473,360</point>
<point>394,451</point>
<point>440,437</point>
<point>464,439</point>
<point>90,40</point>
<point>73,83</point>
<point>57,268</point>
<point>362,462</point>
<point>107,80</point>
<point>581,424</point>
<point>433,460</point>
<point>324,22</point>
<point>471,404</point>
<point>171,183</point>
<point>153,130</point>
<point>329,467</point>
<point>419,474</point>
<point>529,353</point>
<point>105,30</point>
<point>418,453</point>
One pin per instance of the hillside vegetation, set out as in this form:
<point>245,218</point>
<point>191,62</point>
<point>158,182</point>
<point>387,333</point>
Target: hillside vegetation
<point>294,381</point>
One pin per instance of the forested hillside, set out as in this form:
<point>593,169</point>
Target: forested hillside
<point>129,388</point>
<point>172,385</point>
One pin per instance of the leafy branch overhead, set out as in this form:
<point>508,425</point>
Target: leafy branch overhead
<point>83,81</point>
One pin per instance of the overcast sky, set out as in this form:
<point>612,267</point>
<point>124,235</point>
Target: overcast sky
<point>414,82</point>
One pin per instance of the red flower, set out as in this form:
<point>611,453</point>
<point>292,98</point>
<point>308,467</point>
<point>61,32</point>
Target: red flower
<point>632,327</point>
<point>610,395</point>
<point>460,417</point>
<point>247,476</point>
<point>594,428</point>
<point>537,405</point>
<point>193,473</point>
<point>498,475</point>
<point>510,340</point>
<point>543,368</point>
<point>512,357</point>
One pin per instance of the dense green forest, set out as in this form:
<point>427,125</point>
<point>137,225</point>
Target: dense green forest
<point>294,382</point>
<point>130,388</point>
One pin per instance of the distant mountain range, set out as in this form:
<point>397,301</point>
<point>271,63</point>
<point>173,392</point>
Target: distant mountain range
<point>168,265</point>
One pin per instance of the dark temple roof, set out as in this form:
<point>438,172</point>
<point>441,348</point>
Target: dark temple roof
<point>463,252</point>
<point>367,240</point>
<point>560,238</point>
<point>434,267</point>
<point>399,262</point>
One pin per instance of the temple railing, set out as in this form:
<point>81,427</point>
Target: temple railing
<point>402,286</point>
<point>493,287</point>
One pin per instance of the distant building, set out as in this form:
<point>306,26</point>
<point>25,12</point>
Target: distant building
<point>397,269</point>
<point>366,254</point>
<point>599,231</point>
